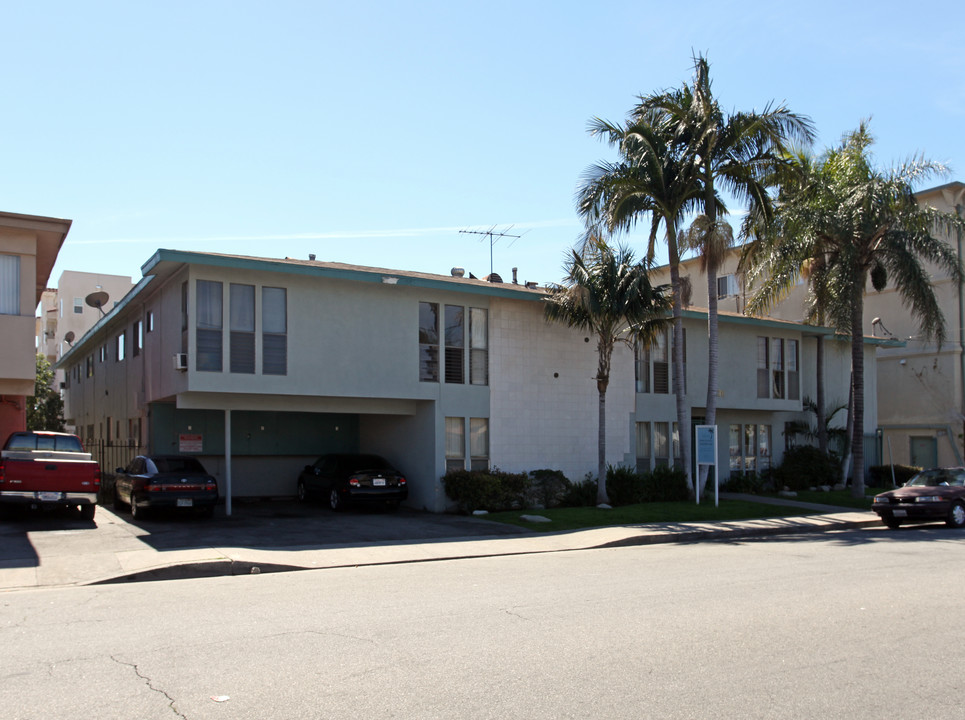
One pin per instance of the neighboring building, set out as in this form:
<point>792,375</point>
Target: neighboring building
<point>65,313</point>
<point>921,394</point>
<point>259,365</point>
<point>921,403</point>
<point>28,250</point>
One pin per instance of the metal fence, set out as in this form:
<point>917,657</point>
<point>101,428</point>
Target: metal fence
<point>112,455</point>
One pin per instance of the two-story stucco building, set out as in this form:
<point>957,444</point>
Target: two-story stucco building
<point>259,365</point>
<point>920,386</point>
<point>29,246</point>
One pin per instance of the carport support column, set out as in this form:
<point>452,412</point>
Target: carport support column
<point>227,462</point>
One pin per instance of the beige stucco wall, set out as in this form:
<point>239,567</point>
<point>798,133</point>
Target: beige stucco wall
<point>544,395</point>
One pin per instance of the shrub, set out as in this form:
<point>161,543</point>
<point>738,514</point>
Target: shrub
<point>665,484</point>
<point>492,490</point>
<point>624,486</point>
<point>581,494</point>
<point>881,474</point>
<point>547,488</point>
<point>744,482</point>
<point>804,467</point>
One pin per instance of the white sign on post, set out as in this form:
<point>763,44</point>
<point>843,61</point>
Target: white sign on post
<point>706,444</point>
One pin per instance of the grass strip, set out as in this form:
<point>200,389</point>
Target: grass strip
<point>646,513</point>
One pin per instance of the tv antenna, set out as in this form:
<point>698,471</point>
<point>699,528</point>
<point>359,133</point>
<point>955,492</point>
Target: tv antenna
<point>98,300</point>
<point>493,235</point>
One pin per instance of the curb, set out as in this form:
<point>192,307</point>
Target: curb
<point>695,532</point>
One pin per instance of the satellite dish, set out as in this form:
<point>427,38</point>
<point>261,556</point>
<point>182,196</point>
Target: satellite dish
<point>69,337</point>
<point>97,300</point>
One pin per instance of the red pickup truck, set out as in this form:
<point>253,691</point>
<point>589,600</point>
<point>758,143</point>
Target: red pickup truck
<point>48,469</point>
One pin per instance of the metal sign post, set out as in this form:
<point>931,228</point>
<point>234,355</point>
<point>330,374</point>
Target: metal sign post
<point>706,444</point>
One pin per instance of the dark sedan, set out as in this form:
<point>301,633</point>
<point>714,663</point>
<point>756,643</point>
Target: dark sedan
<point>151,482</point>
<point>345,478</point>
<point>930,496</point>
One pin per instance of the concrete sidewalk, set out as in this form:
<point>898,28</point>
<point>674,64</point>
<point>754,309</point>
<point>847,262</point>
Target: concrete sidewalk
<point>283,538</point>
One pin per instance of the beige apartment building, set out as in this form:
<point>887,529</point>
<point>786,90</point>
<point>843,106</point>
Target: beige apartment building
<point>29,245</point>
<point>920,389</point>
<point>72,308</point>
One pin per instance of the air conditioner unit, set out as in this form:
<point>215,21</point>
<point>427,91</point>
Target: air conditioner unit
<point>181,361</point>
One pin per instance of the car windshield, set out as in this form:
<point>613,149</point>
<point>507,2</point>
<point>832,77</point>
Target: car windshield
<point>178,465</point>
<point>933,478</point>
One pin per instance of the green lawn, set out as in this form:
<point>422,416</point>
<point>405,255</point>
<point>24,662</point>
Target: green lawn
<point>589,517</point>
<point>841,498</point>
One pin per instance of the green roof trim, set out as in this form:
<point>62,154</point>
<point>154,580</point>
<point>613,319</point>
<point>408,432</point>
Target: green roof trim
<point>383,276</point>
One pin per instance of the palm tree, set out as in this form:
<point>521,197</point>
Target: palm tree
<point>740,153</point>
<point>654,179</point>
<point>850,223</point>
<point>609,295</point>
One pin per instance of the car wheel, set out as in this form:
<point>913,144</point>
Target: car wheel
<point>891,523</point>
<point>956,516</point>
<point>87,511</point>
<point>335,501</point>
<point>301,493</point>
<point>118,503</point>
<point>137,513</point>
<point>207,511</point>
<point>392,506</point>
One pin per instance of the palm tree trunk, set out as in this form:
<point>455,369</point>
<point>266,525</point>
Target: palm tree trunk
<point>601,494</point>
<point>683,416</point>
<point>713,357</point>
<point>857,380</point>
<point>821,420</point>
<point>604,353</point>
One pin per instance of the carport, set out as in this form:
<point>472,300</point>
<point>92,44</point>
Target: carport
<point>257,445</point>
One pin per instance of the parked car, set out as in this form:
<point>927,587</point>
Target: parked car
<point>344,478</point>
<point>929,496</point>
<point>150,482</point>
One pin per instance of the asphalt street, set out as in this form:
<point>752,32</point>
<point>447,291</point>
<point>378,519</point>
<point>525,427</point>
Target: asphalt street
<point>857,623</point>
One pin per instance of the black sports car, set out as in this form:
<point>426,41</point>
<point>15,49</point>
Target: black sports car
<point>345,478</point>
<point>165,481</point>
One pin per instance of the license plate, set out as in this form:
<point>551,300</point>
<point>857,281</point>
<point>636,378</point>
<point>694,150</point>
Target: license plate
<point>185,502</point>
<point>379,482</point>
<point>49,496</point>
<point>900,513</point>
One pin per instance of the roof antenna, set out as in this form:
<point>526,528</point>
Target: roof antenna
<point>493,237</point>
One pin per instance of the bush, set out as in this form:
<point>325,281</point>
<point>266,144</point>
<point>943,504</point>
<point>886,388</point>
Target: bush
<point>547,488</point>
<point>624,486</point>
<point>881,474</point>
<point>665,484</point>
<point>491,490</point>
<point>581,494</point>
<point>805,467</point>
<point>744,482</point>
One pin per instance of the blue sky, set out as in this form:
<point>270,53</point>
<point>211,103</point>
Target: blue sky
<point>373,132</point>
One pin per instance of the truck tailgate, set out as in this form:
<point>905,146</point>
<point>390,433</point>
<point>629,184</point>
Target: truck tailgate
<point>49,474</point>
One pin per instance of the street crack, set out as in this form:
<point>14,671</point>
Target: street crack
<point>150,684</point>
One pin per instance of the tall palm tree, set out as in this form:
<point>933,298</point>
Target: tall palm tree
<point>852,223</point>
<point>656,180</point>
<point>738,152</point>
<point>607,294</point>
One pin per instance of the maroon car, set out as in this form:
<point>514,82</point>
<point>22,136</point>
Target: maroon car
<point>930,496</point>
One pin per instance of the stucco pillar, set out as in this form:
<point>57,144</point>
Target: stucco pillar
<point>227,462</point>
